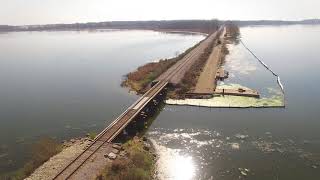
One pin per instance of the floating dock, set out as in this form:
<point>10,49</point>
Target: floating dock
<point>231,92</point>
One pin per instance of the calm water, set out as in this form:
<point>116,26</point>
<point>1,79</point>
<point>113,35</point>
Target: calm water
<point>65,84</point>
<point>265,144</point>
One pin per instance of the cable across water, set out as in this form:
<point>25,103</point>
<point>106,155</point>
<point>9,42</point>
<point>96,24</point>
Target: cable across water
<point>266,66</point>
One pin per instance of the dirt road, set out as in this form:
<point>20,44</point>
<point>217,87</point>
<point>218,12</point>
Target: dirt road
<point>186,62</point>
<point>206,82</point>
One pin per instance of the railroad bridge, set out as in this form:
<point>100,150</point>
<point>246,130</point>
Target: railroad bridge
<point>91,161</point>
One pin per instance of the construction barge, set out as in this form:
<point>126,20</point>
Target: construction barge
<point>237,92</point>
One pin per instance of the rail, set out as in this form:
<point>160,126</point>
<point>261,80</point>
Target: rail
<point>112,130</point>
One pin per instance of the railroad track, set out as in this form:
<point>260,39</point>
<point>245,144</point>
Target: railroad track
<point>168,75</point>
<point>109,133</point>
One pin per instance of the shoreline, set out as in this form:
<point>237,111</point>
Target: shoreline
<point>70,149</point>
<point>139,80</point>
<point>183,32</point>
<point>73,147</point>
<point>115,29</point>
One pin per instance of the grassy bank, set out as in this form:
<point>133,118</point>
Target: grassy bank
<point>137,164</point>
<point>140,79</point>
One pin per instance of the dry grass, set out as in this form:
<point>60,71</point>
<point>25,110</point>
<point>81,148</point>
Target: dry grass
<point>232,33</point>
<point>190,78</point>
<point>138,165</point>
<point>139,80</point>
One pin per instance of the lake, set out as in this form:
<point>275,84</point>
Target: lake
<point>65,84</point>
<point>273,143</point>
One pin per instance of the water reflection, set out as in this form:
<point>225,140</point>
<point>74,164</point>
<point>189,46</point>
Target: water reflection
<point>255,144</point>
<point>180,151</point>
<point>209,154</point>
<point>67,83</point>
<point>172,164</point>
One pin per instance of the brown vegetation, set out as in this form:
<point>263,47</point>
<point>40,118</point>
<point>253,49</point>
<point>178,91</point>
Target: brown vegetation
<point>232,33</point>
<point>190,79</point>
<point>144,75</point>
<point>139,80</point>
<point>138,164</point>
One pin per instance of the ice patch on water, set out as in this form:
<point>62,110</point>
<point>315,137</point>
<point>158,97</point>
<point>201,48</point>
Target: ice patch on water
<point>238,61</point>
<point>230,101</point>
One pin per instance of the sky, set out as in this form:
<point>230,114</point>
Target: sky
<point>26,12</point>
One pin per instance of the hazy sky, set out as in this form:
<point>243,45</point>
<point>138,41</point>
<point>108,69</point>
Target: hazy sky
<point>17,12</point>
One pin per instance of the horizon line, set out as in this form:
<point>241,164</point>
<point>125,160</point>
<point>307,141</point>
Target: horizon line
<point>222,20</point>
